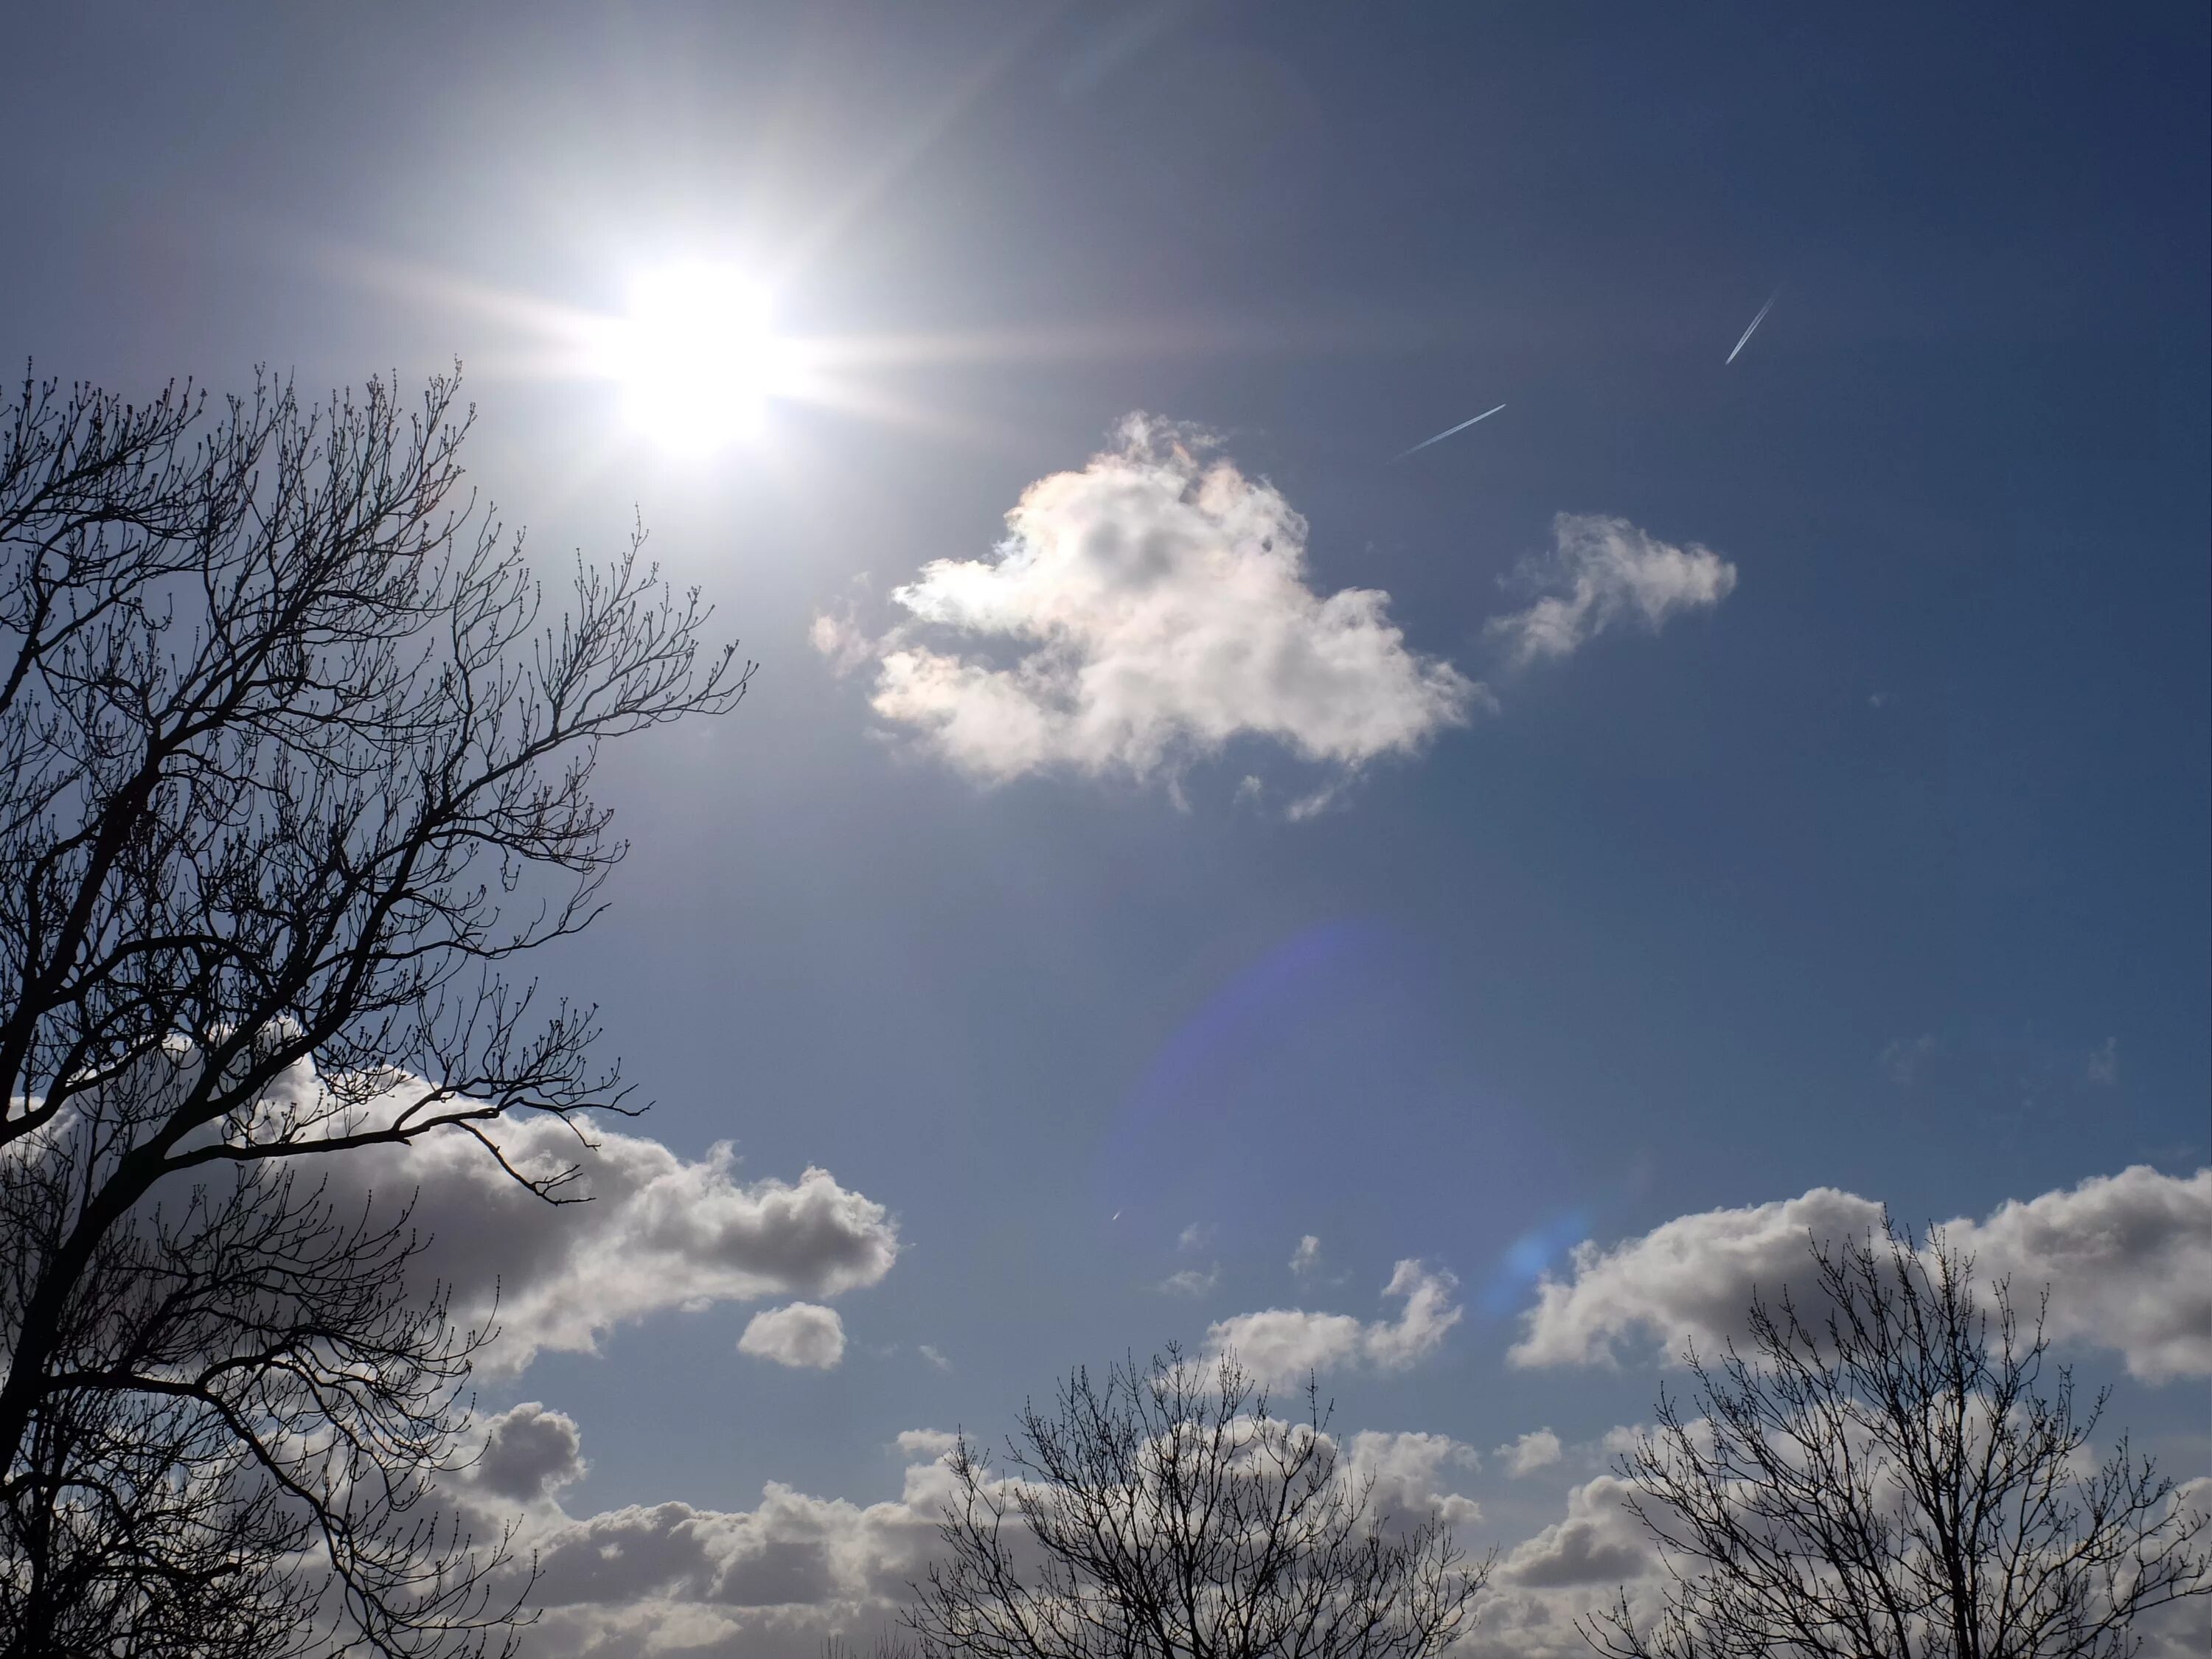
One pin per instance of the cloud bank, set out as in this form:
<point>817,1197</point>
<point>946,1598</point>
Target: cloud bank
<point>1285,1343</point>
<point>2128,1259</point>
<point>1601,574</point>
<point>1147,610</point>
<point>775,1580</point>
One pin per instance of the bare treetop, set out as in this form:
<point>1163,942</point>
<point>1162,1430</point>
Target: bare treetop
<point>1887,1476</point>
<point>1167,1513</point>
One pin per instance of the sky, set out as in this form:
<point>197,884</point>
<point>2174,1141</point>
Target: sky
<point>1192,866</point>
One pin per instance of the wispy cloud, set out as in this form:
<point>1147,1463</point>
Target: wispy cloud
<point>1602,573</point>
<point>1901,1060</point>
<point>2103,1067</point>
<point>1192,1281</point>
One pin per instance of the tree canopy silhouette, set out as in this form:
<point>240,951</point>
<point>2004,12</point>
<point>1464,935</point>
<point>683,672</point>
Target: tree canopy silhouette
<point>1167,1513</point>
<point>1883,1475</point>
<point>293,761</point>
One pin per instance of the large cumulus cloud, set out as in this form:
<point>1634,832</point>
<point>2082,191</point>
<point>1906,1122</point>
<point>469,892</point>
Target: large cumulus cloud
<point>1148,610</point>
<point>2128,1259</point>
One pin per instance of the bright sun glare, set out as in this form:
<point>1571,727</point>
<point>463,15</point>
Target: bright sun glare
<point>697,358</point>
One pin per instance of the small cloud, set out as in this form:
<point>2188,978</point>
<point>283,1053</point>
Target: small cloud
<point>1600,574</point>
<point>1192,1283</point>
<point>2104,1068</point>
<point>804,1336</point>
<point>1194,1237</point>
<point>925,1445</point>
<point>1901,1060</point>
<point>1313,805</point>
<point>529,1451</point>
<point>841,640</point>
<point>1250,789</point>
<point>1875,700</point>
<point>1306,1259</point>
<point>1531,1452</point>
<point>935,1357</point>
<point>1286,1343</point>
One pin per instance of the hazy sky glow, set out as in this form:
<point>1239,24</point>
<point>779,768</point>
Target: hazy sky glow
<point>1192,866</point>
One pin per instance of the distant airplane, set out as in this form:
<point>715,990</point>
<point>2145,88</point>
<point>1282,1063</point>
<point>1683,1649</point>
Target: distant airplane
<point>1441,436</point>
<point>1754,329</point>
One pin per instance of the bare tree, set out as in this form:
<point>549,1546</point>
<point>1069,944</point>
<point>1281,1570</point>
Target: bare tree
<point>1887,1480</point>
<point>1168,1514</point>
<point>291,762</point>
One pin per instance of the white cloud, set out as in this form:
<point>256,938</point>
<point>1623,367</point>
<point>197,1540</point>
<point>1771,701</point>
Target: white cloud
<point>935,1357</point>
<point>1602,573</point>
<point>2128,1259</point>
<point>1194,1237</point>
<point>1306,1259</point>
<point>1286,1343</point>
<point>1191,1282</point>
<point>804,1336</point>
<point>1155,608</point>
<point>1531,1452</point>
<point>661,1232</point>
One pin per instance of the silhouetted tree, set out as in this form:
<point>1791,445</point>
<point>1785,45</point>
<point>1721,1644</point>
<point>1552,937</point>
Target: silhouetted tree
<point>290,764</point>
<point>1168,1514</point>
<point>1886,1478</point>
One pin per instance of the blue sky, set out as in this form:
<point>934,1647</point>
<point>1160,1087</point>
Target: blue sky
<point>1883,870</point>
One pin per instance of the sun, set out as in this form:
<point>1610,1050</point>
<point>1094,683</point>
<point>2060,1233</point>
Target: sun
<point>697,357</point>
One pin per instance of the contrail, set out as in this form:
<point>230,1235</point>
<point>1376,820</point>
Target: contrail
<point>1754,329</point>
<point>1441,436</point>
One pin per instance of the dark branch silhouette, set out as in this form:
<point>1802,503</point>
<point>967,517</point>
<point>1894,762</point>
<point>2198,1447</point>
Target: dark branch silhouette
<point>1886,1479</point>
<point>293,760</point>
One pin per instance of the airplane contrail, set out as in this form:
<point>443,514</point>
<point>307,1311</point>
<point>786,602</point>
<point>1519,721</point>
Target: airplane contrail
<point>1754,329</point>
<point>1441,436</point>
